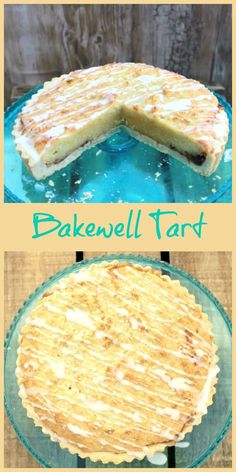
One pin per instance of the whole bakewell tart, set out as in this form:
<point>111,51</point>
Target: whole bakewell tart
<point>116,361</point>
<point>74,112</point>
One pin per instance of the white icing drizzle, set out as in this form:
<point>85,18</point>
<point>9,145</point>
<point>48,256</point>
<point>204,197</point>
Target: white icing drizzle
<point>182,444</point>
<point>80,317</point>
<point>57,367</point>
<point>87,95</point>
<point>26,143</point>
<point>159,458</point>
<point>153,389</point>
<point>177,105</point>
<point>171,412</point>
<point>201,407</point>
<point>146,79</point>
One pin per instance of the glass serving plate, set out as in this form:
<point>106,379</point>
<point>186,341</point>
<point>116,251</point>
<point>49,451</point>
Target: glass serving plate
<point>121,169</point>
<point>196,447</point>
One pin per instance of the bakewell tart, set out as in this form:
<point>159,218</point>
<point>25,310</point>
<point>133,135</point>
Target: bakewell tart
<point>116,361</point>
<point>178,116</point>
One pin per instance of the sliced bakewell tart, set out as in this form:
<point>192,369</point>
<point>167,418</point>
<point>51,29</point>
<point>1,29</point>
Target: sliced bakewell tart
<point>178,116</point>
<point>116,361</point>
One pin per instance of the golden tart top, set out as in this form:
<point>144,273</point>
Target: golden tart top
<point>116,361</point>
<point>67,103</point>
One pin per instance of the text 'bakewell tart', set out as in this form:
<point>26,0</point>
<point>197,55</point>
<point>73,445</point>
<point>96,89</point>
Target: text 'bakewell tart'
<point>74,112</point>
<point>116,361</point>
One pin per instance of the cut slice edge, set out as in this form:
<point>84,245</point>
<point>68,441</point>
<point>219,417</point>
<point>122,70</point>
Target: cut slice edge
<point>203,164</point>
<point>39,169</point>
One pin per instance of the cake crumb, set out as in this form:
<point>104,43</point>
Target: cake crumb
<point>87,196</point>
<point>157,175</point>
<point>49,195</point>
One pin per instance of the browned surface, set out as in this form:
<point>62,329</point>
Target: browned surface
<point>43,41</point>
<point>213,269</point>
<point>25,271</point>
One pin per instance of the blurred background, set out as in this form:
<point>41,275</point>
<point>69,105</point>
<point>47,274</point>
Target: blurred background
<point>43,41</point>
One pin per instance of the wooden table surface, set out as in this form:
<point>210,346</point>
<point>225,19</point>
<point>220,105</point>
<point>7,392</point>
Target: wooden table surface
<point>44,41</point>
<point>25,271</point>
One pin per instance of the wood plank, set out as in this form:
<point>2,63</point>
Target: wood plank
<point>213,269</point>
<point>43,41</point>
<point>203,39</point>
<point>223,52</point>
<point>23,273</point>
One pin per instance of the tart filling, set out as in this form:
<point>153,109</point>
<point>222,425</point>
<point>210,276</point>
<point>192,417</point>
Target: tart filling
<point>116,361</point>
<point>165,109</point>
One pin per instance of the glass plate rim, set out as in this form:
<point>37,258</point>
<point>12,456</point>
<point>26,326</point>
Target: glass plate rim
<point>26,96</point>
<point>86,262</point>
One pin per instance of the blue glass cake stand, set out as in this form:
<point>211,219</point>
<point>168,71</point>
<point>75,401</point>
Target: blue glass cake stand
<point>196,447</point>
<point>121,169</point>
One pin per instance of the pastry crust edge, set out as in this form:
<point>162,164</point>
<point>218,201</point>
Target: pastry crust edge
<point>40,170</point>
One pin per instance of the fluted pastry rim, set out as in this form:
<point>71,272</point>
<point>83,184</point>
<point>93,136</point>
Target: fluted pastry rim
<point>106,457</point>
